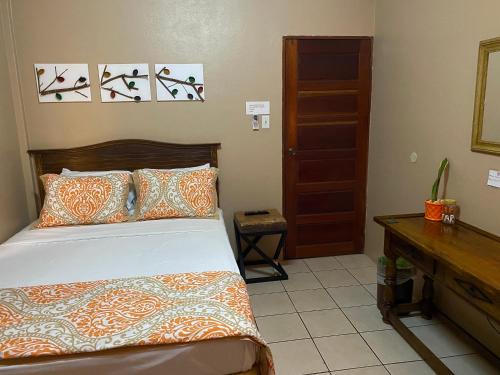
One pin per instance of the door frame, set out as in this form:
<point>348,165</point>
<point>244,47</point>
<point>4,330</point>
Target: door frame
<point>285,145</point>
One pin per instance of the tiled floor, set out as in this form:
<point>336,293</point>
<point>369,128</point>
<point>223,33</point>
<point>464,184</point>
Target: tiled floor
<point>324,320</point>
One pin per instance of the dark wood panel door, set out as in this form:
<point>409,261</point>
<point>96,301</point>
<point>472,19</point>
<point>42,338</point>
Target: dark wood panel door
<point>326,112</point>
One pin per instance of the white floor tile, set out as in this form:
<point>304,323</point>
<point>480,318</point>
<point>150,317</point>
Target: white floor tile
<point>372,288</point>
<point>260,270</point>
<point>323,264</point>
<point>470,364</point>
<point>365,275</point>
<point>355,261</point>
<point>271,304</point>
<point>309,300</point>
<point>366,318</point>
<point>281,327</point>
<point>348,296</point>
<point>390,347</point>
<point>442,340</point>
<point>417,321</point>
<point>345,352</point>
<point>335,278</point>
<point>267,287</point>
<point>301,281</point>
<point>294,266</point>
<point>296,358</point>
<point>326,323</point>
<point>410,368</point>
<point>374,370</point>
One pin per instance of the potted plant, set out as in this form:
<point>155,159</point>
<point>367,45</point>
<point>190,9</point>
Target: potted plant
<point>434,207</point>
<point>404,280</point>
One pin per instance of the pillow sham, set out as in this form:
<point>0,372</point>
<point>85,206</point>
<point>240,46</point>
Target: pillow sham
<point>164,194</point>
<point>131,191</point>
<point>84,200</point>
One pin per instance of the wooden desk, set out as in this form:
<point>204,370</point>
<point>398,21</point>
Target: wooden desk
<point>464,258</point>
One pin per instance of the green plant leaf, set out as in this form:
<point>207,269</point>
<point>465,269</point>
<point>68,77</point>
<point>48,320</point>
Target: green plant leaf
<point>191,79</point>
<point>401,263</point>
<point>174,92</point>
<point>58,96</point>
<point>435,186</point>
<point>131,84</point>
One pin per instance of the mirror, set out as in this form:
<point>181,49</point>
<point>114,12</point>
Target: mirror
<point>486,124</point>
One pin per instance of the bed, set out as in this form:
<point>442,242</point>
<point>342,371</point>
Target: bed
<point>127,251</point>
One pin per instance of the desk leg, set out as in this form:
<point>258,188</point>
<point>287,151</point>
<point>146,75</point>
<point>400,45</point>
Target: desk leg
<point>390,279</point>
<point>427,295</point>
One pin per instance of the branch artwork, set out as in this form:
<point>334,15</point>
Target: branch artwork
<point>176,82</point>
<point>124,82</point>
<point>62,83</point>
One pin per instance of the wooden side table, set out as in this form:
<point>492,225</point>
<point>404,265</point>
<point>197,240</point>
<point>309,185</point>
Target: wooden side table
<point>251,227</point>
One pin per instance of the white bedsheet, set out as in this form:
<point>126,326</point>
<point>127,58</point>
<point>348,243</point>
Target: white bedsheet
<point>98,252</point>
<point>109,251</point>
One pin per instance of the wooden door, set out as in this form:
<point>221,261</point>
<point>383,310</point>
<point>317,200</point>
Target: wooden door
<point>326,113</point>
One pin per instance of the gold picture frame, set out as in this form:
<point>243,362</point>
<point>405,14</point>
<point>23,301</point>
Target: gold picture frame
<point>478,144</point>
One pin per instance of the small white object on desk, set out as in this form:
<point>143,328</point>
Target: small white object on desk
<point>494,178</point>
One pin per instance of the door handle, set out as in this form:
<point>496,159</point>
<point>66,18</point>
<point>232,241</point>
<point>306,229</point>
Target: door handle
<point>292,152</point>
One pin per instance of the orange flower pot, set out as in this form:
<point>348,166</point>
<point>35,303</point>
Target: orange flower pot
<point>433,211</point>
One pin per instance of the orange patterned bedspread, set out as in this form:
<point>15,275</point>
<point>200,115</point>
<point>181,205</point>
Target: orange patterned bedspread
<point>92,316</point>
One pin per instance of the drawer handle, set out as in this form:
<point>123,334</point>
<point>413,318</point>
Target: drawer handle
<point>472,290</point>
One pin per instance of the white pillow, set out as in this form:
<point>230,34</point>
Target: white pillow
<point>131,193</point>
<point>188,169</point>
<point>68,173</point>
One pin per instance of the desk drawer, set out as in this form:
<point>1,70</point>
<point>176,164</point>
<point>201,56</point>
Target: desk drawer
<point>413,255</point>
<point>484,299</point>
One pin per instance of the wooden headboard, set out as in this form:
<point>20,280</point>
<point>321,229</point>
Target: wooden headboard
<point>124,154</point>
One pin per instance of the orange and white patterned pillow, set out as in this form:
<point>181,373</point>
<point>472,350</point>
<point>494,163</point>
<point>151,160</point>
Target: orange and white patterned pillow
<point>163,193</point>
<point>84,200</point>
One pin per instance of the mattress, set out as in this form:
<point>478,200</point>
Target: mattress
<point>102,252</point>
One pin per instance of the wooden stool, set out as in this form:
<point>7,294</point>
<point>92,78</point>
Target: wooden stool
<point>251,227</point>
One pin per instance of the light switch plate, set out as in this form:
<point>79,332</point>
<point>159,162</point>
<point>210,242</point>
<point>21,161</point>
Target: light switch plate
<point>265,124</point>
<point>255,122</point>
